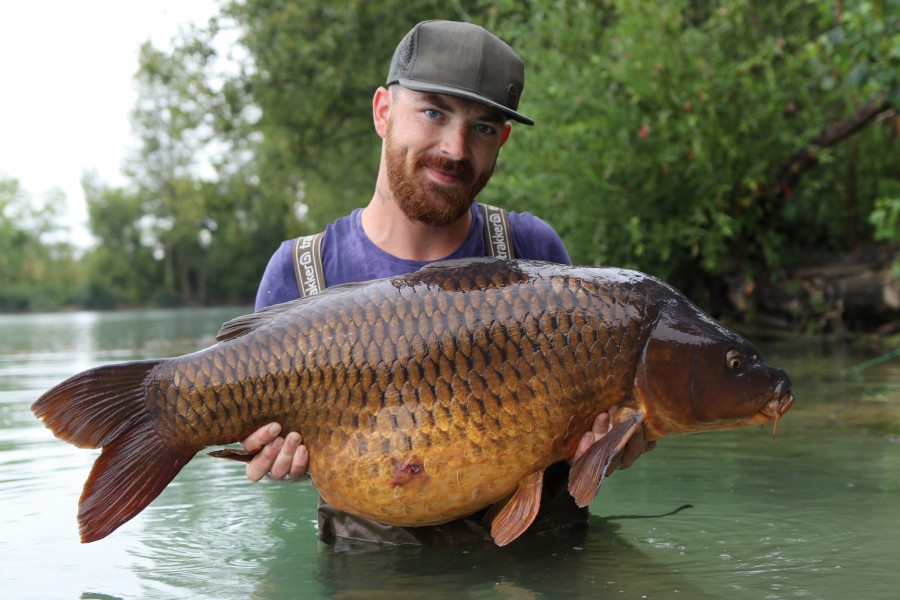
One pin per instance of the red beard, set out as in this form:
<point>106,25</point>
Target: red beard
<point>425,200</point>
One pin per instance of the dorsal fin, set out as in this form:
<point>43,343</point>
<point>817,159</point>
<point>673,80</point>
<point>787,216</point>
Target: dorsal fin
<point>244,324</point>
<point>481,273</point>
<point>464,274</point>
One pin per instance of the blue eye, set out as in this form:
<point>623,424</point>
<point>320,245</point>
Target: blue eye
<point>432,113</point>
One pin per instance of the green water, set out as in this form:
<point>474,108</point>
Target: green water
<point>814,513</point>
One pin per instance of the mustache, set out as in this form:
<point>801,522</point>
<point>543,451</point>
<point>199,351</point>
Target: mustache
<point>459,168</point>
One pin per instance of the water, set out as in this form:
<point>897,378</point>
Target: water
<point>813,514</point>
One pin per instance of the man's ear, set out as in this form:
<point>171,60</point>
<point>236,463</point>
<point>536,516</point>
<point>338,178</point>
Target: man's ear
<point>507,129</point>
<point>381,110</point>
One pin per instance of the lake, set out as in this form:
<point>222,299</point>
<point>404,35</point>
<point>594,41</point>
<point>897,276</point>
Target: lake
<point>813,513</point>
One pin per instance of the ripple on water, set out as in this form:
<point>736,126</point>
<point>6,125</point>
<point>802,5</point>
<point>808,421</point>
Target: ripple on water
<point>764,521</point>
<point>811,514</point>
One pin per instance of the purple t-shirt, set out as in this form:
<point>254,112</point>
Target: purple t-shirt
<point>349,255</point>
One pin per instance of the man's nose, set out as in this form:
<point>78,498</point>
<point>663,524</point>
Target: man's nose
<point>455,142</point>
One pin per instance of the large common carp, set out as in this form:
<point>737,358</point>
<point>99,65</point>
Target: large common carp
<point>425,397</point>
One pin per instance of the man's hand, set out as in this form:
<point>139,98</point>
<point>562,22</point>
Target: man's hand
<point>602,424</point>
<point>280,457</point>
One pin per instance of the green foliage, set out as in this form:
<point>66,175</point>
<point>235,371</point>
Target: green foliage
<point>121,266</point>
<point>662,128</point>
<point>860,48</point>
<point>666,138</point>
<point>37,270</point>
<point>197,226</point>
<point>886,221</point>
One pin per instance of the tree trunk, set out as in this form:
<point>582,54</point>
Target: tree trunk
<point>857,292</point>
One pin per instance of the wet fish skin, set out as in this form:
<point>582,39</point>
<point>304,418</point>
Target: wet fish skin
<point>445,381</point>
<point>425,397</point>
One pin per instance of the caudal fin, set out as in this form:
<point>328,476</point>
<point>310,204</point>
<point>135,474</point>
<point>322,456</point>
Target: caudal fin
<point>106,407</point>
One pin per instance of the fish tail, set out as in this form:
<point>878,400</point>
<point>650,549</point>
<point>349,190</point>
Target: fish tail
<point>106,408</point>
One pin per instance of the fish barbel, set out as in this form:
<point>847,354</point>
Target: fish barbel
<point>426,397</point>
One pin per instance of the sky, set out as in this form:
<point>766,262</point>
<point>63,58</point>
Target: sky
<point>66,88</point>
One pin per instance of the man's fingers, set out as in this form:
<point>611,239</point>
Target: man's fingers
<point>262,462</point>
<point>261,437</point>
<point>598,430</point>
<point>300,462</point>
<point>280,456</point>
<point>586,441</point>
<point>285,457</point>
<point>634,448</point>
<point>602,424</point>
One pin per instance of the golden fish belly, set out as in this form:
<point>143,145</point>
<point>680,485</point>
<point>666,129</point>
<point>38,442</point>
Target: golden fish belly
<point>442,478</point>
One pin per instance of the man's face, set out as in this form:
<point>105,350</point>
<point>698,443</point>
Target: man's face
<point>440,151</point>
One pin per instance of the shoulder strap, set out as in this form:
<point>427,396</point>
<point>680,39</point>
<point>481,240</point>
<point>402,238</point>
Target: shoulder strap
<point>308,264</point>
<point>308,250</point>
<point>497,238</point>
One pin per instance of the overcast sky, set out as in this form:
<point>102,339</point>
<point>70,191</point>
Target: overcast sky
<point>66,69</point>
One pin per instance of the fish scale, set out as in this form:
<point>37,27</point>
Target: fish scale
<point>425,397</point>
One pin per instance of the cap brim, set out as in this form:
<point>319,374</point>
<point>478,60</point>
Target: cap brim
<point>424,86</point>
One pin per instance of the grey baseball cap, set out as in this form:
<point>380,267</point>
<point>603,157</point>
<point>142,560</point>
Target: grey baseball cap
<point>460,59</point>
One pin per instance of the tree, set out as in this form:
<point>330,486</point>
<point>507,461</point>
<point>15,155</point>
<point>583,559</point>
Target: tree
<point>121,269</point>
<point>664,127</point>
<point>692,140</point>
<point>38,268</point>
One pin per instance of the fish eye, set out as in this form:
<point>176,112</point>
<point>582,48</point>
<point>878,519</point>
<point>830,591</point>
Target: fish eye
<point>734,360</point>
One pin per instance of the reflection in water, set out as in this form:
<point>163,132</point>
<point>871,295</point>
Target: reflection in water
<point>811,514</point>
<point>265,548</point>
<point>581,563</point>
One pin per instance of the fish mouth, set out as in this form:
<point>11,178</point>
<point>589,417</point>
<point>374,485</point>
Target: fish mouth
<point>774,409</point>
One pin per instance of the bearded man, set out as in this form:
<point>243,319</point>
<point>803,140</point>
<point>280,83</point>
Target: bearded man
<point>444,114</point>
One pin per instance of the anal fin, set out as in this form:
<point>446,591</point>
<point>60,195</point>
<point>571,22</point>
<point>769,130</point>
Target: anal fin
<point>519,511</point>
<point>588,471</point>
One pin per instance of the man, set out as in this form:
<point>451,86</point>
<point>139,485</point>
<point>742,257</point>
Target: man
<point>443,117</point>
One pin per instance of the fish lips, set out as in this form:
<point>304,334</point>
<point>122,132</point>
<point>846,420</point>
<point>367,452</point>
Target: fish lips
<point>777,407</point>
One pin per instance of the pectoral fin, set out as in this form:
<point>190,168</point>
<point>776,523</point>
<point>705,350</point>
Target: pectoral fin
<point>519,512</point>
<point>588,471</point>
<point>237,454</point>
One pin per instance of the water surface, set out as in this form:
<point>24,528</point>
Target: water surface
<point>814,513</point>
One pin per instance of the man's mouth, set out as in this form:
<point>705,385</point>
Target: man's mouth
<point>444,177</point>
<point>446,172</point>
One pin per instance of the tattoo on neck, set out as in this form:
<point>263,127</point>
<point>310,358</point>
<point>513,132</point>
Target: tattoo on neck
<point>385,197</point>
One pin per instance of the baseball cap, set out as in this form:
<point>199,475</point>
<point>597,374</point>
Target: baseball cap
<point>460,59</point>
